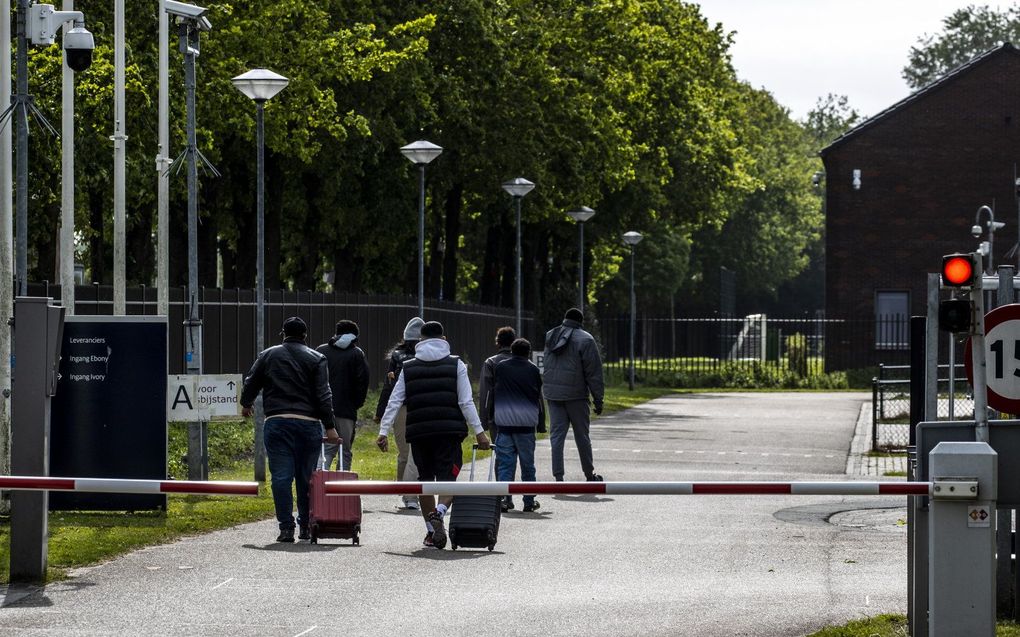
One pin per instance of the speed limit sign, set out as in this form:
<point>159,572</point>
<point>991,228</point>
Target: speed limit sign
<point>1002,356</point>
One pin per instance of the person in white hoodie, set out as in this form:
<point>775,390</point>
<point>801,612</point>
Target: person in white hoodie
<point>435,387</point>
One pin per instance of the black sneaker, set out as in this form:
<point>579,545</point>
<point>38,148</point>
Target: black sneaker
<point>304,534</point>
<point>507,504</point>
<point>534,506</point>
<point>595,478</point>
<point>438,530</point>
<point>286,535</point>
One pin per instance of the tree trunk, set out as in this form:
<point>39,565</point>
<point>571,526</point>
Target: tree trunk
<point>490,267</point>
<point>310,236</point>
<point>506,255</point>
<point>274,204</point>
<point>454,203</point>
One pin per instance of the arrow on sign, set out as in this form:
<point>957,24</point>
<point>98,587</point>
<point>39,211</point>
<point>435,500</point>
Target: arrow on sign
<point>231,384</point>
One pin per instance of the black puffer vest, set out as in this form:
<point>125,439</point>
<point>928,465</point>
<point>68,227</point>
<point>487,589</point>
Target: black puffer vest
<point>431,399</point>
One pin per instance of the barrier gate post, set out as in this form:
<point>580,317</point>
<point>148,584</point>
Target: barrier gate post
<point>961,571</point>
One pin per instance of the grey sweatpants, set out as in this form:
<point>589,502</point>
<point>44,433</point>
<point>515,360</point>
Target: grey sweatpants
<point>563,414</point>
<point>345,428</point>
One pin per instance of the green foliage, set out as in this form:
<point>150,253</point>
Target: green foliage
<point>629,106</point>
<point>966,32</point>
<point>797,354</point>
<point>736,375</point>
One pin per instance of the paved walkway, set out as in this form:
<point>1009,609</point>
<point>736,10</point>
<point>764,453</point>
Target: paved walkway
<point>859,463</point>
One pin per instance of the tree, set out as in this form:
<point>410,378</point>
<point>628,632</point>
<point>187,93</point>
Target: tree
<point>965,33</point>
<point>831,117</point>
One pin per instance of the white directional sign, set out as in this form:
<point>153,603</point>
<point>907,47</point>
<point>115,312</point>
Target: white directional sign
<point>191,398</point>
<point>1002,356</point>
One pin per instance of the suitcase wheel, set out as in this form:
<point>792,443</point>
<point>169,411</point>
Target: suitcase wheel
<point>315,535</point>
<point>453,546</point>
<point>492,546</point>
<point>356,541</point>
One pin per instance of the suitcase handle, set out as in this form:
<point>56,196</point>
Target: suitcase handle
<point>474,459</point>
<point>339,454</point>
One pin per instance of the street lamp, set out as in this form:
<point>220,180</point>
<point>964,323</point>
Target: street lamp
<point>517,188</point>
<point>632,239</point>
<point>580,215</point>
<point>260,85</point>
<point>987,247</point>
<point>421,153</point>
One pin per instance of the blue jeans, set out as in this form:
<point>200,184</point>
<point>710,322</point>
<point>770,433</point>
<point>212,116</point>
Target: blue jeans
<point>292,448</point>
<point>512,445</point>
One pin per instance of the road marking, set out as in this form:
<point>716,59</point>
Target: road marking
<point>305,632</point>
<point>226,581</point>
<point>635,451</point>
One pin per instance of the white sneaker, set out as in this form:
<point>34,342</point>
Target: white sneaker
<point>412,504</point>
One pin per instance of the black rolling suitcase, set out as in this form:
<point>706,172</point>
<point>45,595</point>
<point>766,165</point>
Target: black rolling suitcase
<point>474,519</point>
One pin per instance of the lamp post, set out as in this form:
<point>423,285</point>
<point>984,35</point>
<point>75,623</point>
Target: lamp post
<point>421,153</point>
<point>517,188</point>
<point>987,248</point>
<point>580,215</point>
<point>260,85</point>
<point>632,239</point>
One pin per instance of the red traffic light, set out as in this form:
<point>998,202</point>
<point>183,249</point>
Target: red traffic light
<point>957,270</point>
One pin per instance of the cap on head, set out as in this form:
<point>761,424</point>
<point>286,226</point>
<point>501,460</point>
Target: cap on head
<point>346,326</point>
<point>294,326</point>
<point>574,314</point>
<point>521,347</point>
<point>432,329</point>
<point>412,331</point>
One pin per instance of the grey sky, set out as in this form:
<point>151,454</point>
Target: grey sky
<point>801,50</point>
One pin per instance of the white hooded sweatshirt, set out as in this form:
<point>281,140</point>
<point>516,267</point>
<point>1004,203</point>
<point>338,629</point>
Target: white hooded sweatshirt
<point>433,349</point>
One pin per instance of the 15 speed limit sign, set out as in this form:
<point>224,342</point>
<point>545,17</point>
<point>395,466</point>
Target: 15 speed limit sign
<point>1002,358</point>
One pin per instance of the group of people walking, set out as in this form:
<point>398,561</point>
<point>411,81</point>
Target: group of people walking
<point>427,404</point>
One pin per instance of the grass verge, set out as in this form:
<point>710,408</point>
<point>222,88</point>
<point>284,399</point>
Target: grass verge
<point>82,538</point>
<point>894,626</point>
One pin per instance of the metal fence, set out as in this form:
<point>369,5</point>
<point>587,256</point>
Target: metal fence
<point>890,403</point>
<point>228,318</point>
<point>699,346</point>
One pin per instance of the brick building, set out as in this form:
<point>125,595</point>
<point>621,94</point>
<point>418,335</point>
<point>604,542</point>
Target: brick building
<point>903,187</point>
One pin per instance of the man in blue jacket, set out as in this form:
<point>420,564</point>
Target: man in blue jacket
<point>572,371</point>
<point>516,409</point>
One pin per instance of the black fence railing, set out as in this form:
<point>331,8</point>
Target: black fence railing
<point>890,404</point>
<point>710,345</point>
<point>228,318</point>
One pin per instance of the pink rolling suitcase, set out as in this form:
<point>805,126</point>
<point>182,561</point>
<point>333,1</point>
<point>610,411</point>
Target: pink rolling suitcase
<point>333,516</point>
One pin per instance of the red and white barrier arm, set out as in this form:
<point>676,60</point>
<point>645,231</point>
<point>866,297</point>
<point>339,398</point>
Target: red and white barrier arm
<point>368,487</point>
<point>120,485</point>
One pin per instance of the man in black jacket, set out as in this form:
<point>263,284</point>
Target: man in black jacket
<point>348,380</point>
<point>294,382</point>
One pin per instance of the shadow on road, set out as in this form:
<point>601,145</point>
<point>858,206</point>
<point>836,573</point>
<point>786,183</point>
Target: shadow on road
<point>445,555</point>
<point>298,547</point>
<point>582,498</point>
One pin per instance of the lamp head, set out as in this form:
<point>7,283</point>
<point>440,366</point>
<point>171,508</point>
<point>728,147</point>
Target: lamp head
<point>975,230</point>
<point>518,186</point>
<point>582,214</point>
<point>421,152</point>
<point>260,84</point>
<point>632,238</point>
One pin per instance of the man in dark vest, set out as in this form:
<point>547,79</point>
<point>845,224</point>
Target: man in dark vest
<point>435,387</point>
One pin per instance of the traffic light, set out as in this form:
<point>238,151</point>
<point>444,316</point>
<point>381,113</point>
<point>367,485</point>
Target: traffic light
<point>958,270</point>
<point>954,315</point>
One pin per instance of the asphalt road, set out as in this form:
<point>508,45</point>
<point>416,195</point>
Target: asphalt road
<point>586,566</point>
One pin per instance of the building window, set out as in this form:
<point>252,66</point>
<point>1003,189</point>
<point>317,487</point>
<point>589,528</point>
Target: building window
<point>892,319</point>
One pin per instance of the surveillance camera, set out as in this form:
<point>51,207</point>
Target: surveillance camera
<point>78,46</point>
<point>184,10</point>
<point>975,230</point>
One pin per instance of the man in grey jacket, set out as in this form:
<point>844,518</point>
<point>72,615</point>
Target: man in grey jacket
<point>572,370</point>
